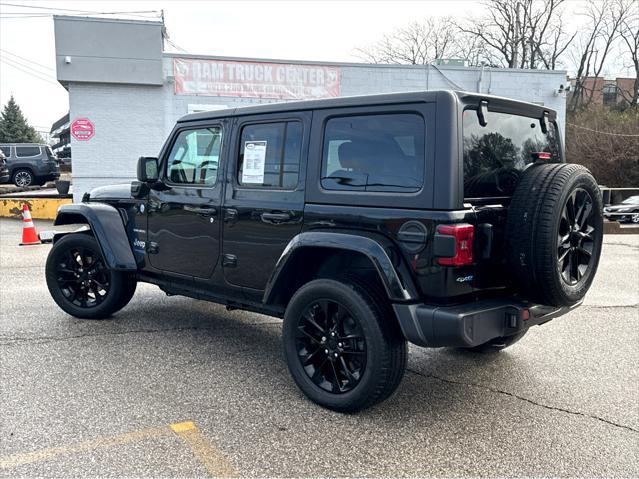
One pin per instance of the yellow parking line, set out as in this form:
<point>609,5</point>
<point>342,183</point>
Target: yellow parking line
<point>211,458</point>
<point>50,453</point>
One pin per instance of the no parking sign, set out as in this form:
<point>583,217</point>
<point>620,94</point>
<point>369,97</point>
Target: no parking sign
<point>82,129</point>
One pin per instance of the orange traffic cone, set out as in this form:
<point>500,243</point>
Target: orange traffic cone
<point>29,234</point>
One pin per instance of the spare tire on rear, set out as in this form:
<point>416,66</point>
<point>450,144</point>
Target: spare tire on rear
<point>554,233</point>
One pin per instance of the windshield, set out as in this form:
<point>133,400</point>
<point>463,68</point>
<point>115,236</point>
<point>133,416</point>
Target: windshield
<point>633,200</point>
<point>496,154</point>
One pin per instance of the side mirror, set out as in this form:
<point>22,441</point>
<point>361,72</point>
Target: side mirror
<point>148,171</point>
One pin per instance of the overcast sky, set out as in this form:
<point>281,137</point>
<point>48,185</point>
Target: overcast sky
<point>302,30</point>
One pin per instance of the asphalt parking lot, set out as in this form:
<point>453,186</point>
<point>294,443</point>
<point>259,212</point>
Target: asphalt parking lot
<point>178,387</point>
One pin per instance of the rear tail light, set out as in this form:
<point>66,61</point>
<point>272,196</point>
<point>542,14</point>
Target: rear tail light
<point>463,235</point>
<point>541,156</point>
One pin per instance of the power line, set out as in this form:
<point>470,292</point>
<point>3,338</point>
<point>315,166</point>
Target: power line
<point>29,67</point>
<point>603,132</point>
<point>18,15</point>
<point>174,45</point>
<point>28,72</point>
<point>26,59</point>
<point>73,10</point>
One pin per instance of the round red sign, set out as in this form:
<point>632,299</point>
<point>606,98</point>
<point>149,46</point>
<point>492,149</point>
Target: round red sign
<point>82,129</point>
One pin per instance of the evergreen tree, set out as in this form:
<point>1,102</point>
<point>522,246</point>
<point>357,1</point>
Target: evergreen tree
<point>14,127</point>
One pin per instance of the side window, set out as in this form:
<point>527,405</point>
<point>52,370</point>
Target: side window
<point>6,150</point>
<point>195,156</point>
<point>379,152</point>
<point>270,155</point>
<point>26,151</point>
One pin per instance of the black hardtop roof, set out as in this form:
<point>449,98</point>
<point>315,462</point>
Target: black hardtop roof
<point>531,109</point>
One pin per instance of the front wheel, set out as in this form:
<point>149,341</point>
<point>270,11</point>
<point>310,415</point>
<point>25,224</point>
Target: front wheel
<point>342,346</point>
<point>80,282</point>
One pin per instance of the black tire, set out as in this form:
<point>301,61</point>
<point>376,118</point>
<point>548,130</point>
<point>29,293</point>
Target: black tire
<point>375,356</point>
<point>23,177</point>
<point>497,344</point>
<point>79,281</point>
<point>130,285</point>
<point>554,233</point>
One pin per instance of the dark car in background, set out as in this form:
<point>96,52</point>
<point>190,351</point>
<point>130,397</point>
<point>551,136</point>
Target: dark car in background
<point>4,171</point>
<point>29,164</point>
<point>625,212</point>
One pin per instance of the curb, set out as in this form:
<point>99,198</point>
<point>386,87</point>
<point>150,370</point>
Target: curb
<point>41,208</point>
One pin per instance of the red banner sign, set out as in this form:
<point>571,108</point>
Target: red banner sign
<point>82,129</point>
<point>283,81</point>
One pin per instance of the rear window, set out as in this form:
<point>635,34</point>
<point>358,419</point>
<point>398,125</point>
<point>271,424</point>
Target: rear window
<point>383,152</point>
<point>25,151</point>
<point>496,154</point>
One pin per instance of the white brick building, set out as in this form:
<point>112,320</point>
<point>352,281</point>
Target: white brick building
<point>132,92</point>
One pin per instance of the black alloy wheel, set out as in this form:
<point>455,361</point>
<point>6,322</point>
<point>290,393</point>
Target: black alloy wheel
<point>331,346</point>
<point>82,277</point>
<point>23,178</point>
<point>575,241</point>
<point>80,281</point>
<point>554,233</point>
<point>342,343</point>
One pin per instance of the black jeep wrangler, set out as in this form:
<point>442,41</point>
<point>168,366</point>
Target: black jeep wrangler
<point>440,218</point>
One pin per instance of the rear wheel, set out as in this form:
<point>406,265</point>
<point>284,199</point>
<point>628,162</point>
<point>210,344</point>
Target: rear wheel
<point>23,178</point>
<point>80,282</point>
<point>343,352</point>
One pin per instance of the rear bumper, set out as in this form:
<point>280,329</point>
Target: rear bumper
<point>473,323</point>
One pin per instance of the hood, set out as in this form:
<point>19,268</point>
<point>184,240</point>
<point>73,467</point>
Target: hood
<point>621,207</point>
<point>111,192</point>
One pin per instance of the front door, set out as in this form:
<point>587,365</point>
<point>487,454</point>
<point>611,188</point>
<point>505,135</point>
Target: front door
<point>264,199</point>
<point>184,215</point>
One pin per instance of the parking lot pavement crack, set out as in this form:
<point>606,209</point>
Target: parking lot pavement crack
<point>7,340</point>
<point>628,245</point>
<point>610,306</point>
<point>525,399</point>
<point>48,339</point>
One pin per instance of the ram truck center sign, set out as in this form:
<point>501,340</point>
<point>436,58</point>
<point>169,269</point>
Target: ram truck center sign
<point>284,81</point>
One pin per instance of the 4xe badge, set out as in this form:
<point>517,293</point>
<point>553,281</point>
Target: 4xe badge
<point>465,279</point>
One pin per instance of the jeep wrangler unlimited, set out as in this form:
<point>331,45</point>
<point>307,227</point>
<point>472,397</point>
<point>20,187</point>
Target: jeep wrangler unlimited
<point>439,218</point>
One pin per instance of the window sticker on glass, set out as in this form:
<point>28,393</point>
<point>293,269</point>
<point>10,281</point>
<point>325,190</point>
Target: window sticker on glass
<point>254,161</point>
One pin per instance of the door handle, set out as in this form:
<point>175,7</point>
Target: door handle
<point>201,211</point>
<point>276,217</point>
<point>230,215</point>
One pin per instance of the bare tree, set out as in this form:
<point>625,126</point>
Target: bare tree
<point>629,33</point>
<point>522,33</point>
<point>419,43</point>
<point>604,21</point>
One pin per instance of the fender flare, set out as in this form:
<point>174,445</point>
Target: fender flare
<point>396,279</point>
<point>107,227</point>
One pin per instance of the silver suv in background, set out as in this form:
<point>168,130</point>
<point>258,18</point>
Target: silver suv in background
<point>30,164</point>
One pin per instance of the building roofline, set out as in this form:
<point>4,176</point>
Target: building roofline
<point>77,18</point>
<point>353,64</point>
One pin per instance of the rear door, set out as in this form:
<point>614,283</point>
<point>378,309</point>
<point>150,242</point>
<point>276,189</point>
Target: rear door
<point>495,156</point>
<point>264,200</point>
